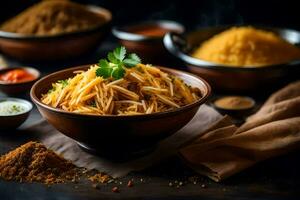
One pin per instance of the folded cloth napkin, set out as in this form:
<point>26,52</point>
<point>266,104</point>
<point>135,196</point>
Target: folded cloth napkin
<point>226,150</point>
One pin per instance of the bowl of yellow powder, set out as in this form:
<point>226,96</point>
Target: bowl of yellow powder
<point>239,58</point>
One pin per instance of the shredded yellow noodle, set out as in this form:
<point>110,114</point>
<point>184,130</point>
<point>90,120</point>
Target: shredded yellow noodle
<point>143,90</point>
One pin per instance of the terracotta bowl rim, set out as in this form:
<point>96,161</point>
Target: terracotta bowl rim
<point>200,101</point>
<point>37,75</point>
<point>198,63</point>
<point>121,33</point>
<point>107,15</point>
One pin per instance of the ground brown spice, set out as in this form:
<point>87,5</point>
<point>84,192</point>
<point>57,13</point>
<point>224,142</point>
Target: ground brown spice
<point>33,162</point>
<point>53,17</point>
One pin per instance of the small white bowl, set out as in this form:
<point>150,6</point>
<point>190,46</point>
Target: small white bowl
<point>15,120</point>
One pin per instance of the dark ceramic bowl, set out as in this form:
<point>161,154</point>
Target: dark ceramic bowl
<point>18,88</point>
<point>240,114</point>
<point>60,46</point>
<point>9,122</point>
<point>116,136</point>
<point>150,46</point>
<point>226,78</point>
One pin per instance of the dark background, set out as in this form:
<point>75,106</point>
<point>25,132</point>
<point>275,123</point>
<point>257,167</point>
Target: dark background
<point>272,179</point>
<point>192,13</point>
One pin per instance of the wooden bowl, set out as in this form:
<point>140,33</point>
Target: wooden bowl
<point>9,122</point>
<point>233,79</point>
<point>115,136</point>
<point>238,114</point>
<point>54,47</point>
<point>13,89</point>
<point>150,46</point>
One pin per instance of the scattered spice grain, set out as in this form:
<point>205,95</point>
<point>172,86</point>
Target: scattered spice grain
<point>99,178</point>
<point>115,190</point>
<point>130,183</point>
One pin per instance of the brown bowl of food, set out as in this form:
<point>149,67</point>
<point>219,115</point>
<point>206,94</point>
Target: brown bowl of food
<point>119,115</point>
<point>146,38</point>
<point>239,58</point>
<point>52,30</point>
<point>17,80</point>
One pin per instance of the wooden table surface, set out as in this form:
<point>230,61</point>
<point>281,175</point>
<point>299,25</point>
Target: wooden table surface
<point>277,178</point>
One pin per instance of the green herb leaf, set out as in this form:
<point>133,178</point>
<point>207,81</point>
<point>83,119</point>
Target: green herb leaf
<point>130,62</point>
<point>117,72</point>
<point>111,57</point>
<point>116,62</point>
<point>103,63</point>
<point>120,53</point>
<point>50,91</point>
<point>134,57</point>
<point>63,82</point>
<point>105,72</point>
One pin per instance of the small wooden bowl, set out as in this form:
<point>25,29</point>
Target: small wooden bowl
<point>233,79</point>
<point>21,87</point>
<point>116,136</point>
<point>14,121</point>
<point>61,46</point>
<point>151,47</point>
<point>241,113</point>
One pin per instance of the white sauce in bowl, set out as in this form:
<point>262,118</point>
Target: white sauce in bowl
<point>9,107</point>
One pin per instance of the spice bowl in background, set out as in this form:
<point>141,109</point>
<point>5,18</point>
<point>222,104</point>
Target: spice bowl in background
<point>59,35</point>
<point>146,38</point>
<point>233,78</point>
<point>238,107</point>
<point>17,80</point>
<point>13,112</point>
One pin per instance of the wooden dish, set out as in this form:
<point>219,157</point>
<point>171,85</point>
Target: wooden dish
<point>115,136</point>
<point>237,79</point>
<point>20,87</point>
<point>61,46</point>
<point>239,113</point>
<point>150,46</point>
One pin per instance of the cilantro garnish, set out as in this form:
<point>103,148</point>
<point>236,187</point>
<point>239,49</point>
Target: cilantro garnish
<point>63,82</point>
<point>115,63</point>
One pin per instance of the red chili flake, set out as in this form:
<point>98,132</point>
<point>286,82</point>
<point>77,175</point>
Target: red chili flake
<point>130,184</point>
<point>115,189</point>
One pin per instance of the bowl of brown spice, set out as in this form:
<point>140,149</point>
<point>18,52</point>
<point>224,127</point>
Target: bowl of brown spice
<point>238,107</point>
<point>52,30</point>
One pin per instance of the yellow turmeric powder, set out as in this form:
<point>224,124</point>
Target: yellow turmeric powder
<point>247,46</point>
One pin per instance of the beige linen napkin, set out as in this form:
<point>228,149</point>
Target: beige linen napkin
<point>274,130</point>
<point>205,117</point>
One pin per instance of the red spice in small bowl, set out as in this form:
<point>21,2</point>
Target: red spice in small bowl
<point>146,38</point>
<point>17,80</point>
<point>17,76</point>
